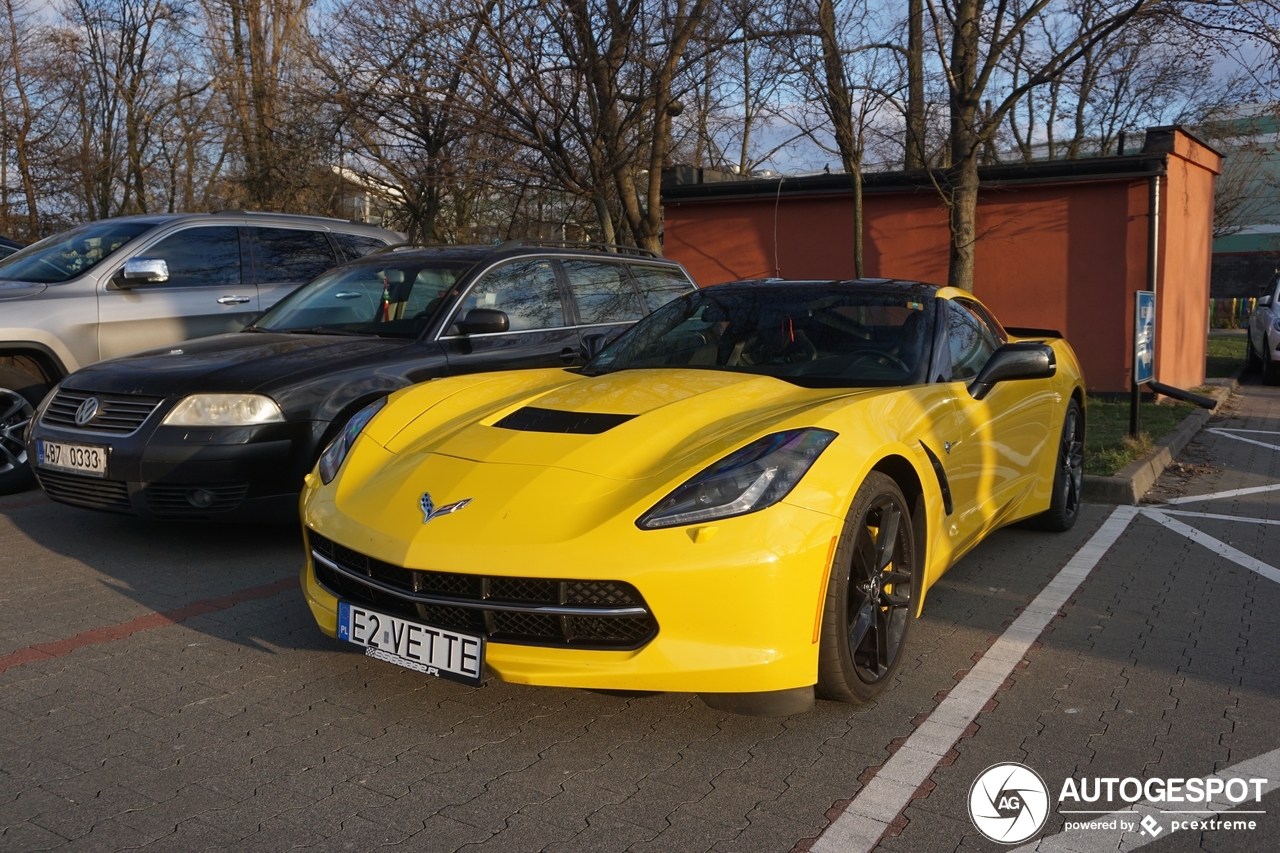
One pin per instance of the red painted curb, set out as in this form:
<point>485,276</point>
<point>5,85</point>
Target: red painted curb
<point>106,634</point>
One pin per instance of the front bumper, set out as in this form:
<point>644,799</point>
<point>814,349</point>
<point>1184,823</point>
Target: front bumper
<point>198,473</point>
<point>736,612</point>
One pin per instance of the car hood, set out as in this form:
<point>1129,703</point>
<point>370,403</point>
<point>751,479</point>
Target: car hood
<point>442,438</point>
<point>239,362</point>
<point>628,425</point>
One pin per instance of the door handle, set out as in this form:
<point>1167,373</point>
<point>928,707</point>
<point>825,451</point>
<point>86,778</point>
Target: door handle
<point>568,355</point>
<point>233,300</point>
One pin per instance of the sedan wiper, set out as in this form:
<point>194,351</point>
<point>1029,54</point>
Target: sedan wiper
<point>318,330</point>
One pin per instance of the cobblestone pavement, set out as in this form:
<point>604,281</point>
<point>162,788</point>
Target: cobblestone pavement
<point>164,687</point>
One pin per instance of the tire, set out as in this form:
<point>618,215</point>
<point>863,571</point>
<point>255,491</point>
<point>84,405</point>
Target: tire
<point>20,393</point>
<point>1068,476</point>
<point>1252,364</point>
<point>1270,371</point>
<point>867,614</point>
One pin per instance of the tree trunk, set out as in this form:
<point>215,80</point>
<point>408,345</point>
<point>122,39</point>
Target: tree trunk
<point>914,157</point>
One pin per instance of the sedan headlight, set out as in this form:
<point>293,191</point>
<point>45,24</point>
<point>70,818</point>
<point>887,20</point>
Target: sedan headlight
<point>224,410</point>
<point>331,459</point>
<point>752,478</point>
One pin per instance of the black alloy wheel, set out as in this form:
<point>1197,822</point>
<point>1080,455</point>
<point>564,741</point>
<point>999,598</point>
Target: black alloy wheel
<point>16,411</point>
<point>870,597</point>
<point>1068,476</point>
<point>1270,372</point>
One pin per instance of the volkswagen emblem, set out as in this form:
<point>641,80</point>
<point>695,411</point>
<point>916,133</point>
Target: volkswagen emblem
<point>430,511</point>
<point>87,411</point>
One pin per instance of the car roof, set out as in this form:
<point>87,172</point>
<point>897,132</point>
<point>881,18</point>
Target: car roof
<point>880,285</point>
<point>323,222</point>
<point>524,248</point>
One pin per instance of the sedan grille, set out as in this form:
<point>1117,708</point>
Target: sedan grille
<point>91,492</point>
<point>527,611</point>
<point>119,414</point>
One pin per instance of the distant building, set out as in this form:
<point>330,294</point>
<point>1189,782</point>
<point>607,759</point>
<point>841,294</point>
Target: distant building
<point>1246,246</point>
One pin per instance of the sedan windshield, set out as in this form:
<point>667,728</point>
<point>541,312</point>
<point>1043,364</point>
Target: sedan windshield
<point>813,335</point>
<point>64,256</point>
<point>396,300</point>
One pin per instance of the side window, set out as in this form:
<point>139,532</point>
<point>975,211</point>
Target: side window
<point>355,246</point>
<point>970,340</point>
<point>200,256</point>
<point>603,292</point>
<point>660,285</point>
<point>526,290</point>
<point>291,254</point>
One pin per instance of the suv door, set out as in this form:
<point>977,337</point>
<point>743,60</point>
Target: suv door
<point>205,294</point>
<point>287,258</point>
<point>540,335</point>
<point>606,299</point>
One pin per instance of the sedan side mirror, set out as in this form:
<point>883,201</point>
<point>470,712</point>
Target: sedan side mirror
<point>1264,301</point>
<point>145,271</point>
<point>592,344</point>
<point>1014,361</point>
<point>484,321</point>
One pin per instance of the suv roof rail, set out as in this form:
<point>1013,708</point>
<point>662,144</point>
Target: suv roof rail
<point>393,247</point>
<point>578,244</point>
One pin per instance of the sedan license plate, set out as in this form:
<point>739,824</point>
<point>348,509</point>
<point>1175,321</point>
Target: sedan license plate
<point>79,458</point>
<point>424,648</point>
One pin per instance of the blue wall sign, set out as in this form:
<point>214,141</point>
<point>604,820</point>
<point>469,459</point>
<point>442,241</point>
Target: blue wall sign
<point>1144,336</point>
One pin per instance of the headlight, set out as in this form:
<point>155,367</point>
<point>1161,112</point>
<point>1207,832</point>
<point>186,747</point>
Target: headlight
<point>331,459</point>
<point>224,410</point>
<point>757,476</point>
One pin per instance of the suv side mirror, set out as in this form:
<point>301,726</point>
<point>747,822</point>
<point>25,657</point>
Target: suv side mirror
<point>1014,361</point>
<point>145,271</point>
<point>484,321</point>
<point>1264,301</point>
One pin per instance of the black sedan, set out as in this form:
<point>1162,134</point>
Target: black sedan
<point>226,427</point>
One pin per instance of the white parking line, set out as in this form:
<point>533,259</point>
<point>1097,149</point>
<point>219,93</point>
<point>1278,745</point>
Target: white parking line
<point>1225,434</point>
<point>1217,546</point>
<point>858,828</point>
<point>1218,516</point>
<point>1265,766</point>
<point>1230,493</point>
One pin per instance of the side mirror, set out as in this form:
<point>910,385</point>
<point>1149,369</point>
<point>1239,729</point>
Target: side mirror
<point>1014,361</point>
<point>592,344</point>
<point>1264,301</point>
<point>144,271</point>
<point>484,321</point>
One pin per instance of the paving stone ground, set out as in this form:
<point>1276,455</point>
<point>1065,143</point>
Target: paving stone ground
<point>246,729</point>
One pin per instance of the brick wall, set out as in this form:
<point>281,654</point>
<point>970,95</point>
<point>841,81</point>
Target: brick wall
<point>1242,274</point>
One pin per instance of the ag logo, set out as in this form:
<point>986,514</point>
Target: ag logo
<point>1008,803</point>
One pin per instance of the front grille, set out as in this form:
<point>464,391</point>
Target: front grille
<point>91,492</point>
<point>186,500</point>
<point>504,609</point>
<point>119,414</point>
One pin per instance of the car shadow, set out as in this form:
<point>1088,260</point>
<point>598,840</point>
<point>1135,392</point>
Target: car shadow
<point>161,566</point>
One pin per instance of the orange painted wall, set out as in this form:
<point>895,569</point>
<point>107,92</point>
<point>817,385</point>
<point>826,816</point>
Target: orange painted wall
<point>1065,256</point>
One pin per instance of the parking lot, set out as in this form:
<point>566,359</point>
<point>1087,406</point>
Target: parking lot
<point>163,686</point>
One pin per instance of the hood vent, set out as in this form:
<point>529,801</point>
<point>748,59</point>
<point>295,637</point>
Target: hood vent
<point>532,419</point>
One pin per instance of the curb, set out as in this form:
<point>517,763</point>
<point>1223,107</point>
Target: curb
<point>1130,483</point>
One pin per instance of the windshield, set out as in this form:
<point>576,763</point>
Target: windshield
<point>396,299</point>
<point>64,256</point>
<point>812,335</point>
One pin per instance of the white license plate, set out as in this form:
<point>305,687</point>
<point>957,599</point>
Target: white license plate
<point>425,648</point>
<point>80,458</point>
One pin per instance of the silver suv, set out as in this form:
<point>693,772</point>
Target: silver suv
<point>116,286</point>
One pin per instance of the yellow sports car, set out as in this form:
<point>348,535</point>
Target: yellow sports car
<point>746,496</point>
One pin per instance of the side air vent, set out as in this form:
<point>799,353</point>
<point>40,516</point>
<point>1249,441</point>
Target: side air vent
<point>531,419</point>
